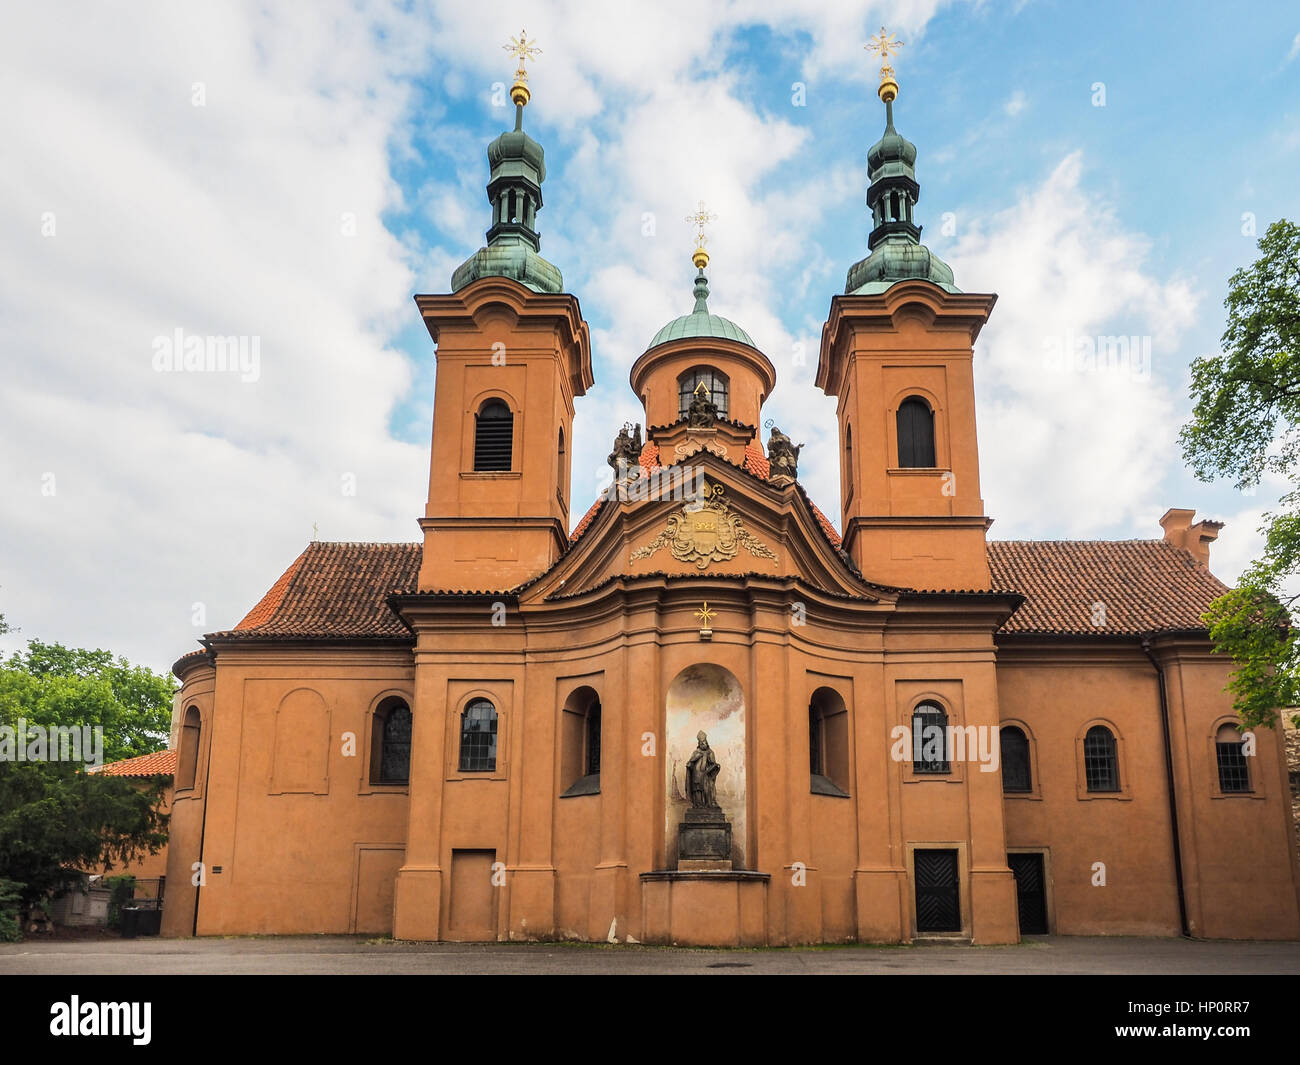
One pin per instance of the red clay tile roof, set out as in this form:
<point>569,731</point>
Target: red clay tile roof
<point>335,591</point>
<point>159,763</point>
<point>269,603</point>
<point>755,461</point>
<point>340,591</point>
<point>826,525</point>
<point>1145,586</point>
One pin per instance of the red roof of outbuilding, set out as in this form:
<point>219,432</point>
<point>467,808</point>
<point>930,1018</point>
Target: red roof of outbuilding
<point>159,763</point>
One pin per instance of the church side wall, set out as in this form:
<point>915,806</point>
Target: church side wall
<point>297,839</point>
<point>1109,856</point>
<point>1222,833</point>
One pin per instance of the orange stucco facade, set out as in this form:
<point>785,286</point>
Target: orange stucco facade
<point>737,610</point>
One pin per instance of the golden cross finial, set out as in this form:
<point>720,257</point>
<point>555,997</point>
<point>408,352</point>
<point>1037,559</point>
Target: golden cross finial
<point>705,614</point>
<point>701,218</point>
<point>523,49</point>
<point>885,45</point>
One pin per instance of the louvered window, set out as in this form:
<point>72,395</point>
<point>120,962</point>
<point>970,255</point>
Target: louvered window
<point>915,434</point>
<point>494,431</point>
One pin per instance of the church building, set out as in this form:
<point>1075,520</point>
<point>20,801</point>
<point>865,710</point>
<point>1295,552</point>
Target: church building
<point>703,713</point>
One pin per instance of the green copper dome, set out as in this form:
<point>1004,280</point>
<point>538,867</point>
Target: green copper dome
<point>518,168</point>
<point>897,253</point>
<point>700,323</point>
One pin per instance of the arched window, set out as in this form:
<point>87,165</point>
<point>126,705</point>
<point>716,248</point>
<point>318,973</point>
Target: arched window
<point>848,460</point>
<point>915,434</point>
<point>828,743</point>
<point>593,739</point>
<point>714,380</point>
<point>494,432</point>
<point>390,743</point>
<point>187,761</point>
<point>1016,774</point>
<point>580,743</point>
<point>929,739</point>
<point>560,466</point>
<point>1100,762</point>
<point>1234,770</point>
<point>478,738</point>
<point>816,752</point>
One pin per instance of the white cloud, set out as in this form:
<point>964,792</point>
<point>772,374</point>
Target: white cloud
<point>1066,448</point>
<point>1295,48</point>
<point>225,219</point>
<point>1016,103</point>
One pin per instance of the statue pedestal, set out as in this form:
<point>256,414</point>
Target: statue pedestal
<point>704,840</point>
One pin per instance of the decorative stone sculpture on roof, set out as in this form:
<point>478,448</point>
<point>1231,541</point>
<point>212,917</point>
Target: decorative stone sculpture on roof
<point>783,457</point>
<point>703,412</point>
<point>627,448</point>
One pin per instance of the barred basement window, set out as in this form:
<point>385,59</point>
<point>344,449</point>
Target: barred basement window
<point>1015,760</point>
<point>494,432</point>
<point>478,738</point>
<point>929,739</point>
<point>1234,770</point>
<point>915,434</point>
<point>1100,762</point>
<point>714,380</point>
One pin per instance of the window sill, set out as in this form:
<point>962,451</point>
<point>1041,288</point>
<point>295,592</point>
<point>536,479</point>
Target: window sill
<point>491,475</point>
<point>1085,795</point>
<point>588,785</point>
<point>382,788</point>
<point>1235,795</point>
<point>823,785</point>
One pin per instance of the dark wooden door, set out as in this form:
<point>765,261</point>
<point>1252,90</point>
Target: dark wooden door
<point>1031,893</point>
<point>937,906</point>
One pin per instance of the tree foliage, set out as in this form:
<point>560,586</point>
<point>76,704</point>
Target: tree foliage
<point>1246,423</point>
<point>55,817</point>
<point>49,684</point>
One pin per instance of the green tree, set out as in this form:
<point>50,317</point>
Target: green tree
<point>1246,423</point>
<point>49,684</point>
<point>55,817</point>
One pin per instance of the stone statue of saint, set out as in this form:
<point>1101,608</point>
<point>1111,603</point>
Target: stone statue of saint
<point>702,771</point>
<point>783,455</point>
<point>627,448</point>
<point>702,412</point>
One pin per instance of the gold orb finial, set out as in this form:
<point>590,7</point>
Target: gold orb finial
<point>886,45</point>
<point>701,218</point>
<point>523,49</point>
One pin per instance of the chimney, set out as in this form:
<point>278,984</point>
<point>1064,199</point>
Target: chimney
<point>1197,538</point>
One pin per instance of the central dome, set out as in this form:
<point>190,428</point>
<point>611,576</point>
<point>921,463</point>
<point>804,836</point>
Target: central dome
<point>700,323</point>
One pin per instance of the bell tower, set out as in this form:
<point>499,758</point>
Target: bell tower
<point>513,353</point>
<point>897,352</point>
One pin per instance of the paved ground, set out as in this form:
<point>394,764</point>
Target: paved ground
<point>345,954</point>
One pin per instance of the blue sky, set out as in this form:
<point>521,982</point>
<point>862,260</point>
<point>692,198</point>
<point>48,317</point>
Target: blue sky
<point>197,161</point>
